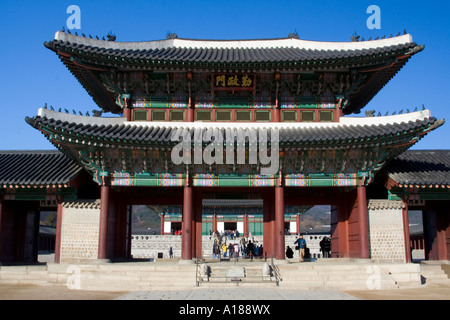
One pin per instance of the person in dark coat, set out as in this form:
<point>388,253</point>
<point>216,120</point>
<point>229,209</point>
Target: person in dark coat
<point>289,252</point>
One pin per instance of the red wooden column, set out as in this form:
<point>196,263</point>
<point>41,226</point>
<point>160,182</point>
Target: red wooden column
<point>276,112</point>
<point>162,224</point>
<point>197,228</point>
<point>363,222</point>
<point>127,113</point>
<point>214,222</point>
<point>186,227</point>
<point>189,109</point>
<point>406,231</point>
<point>268,212</point>
<point>279,240</point>
<point>246,224</point>
<point>105,193</point>
<point>298,223</point>
<point>59,212</point>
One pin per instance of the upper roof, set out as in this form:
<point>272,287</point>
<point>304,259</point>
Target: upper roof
<point>36,168</point>
<point>87,58</point>
<point>421,168</point>
<point>227,51</point>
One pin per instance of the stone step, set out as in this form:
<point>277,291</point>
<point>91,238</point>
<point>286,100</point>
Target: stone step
<point>434,274</point>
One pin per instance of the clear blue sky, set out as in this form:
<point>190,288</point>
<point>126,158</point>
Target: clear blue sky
<point>32,75</point>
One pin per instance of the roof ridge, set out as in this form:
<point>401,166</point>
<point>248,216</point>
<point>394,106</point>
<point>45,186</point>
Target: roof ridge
<point>238,43</point>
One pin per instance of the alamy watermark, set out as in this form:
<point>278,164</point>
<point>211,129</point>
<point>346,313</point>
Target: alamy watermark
<point>374,280</point>
<point>374,21</point>
<point>242,146</point>
<point>74,279</point>
<point>74,20</point>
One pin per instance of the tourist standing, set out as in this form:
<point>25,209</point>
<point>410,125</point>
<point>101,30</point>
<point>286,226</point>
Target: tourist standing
<point>224,250</point>
<point>325,247</point>
<point>301,245</point>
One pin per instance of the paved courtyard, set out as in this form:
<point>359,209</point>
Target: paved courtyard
<point>240,294</point>
<point>28,292</point>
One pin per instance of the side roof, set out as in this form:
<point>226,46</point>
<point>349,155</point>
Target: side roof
<point>420,168</point>
<point>36,168</point>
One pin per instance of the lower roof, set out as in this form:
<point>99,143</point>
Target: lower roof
<point>82,130</point>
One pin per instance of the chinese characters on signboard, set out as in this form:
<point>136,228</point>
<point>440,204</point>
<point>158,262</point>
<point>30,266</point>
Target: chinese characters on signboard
<point>233,81</point>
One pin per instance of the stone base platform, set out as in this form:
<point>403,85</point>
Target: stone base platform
<point>329,274</point>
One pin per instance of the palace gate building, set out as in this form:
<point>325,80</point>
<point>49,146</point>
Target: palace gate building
<point>194,123</point>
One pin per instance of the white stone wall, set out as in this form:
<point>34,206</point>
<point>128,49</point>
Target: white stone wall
<point>148,246</point>
<point>80,231</point>
<point>386,236</point>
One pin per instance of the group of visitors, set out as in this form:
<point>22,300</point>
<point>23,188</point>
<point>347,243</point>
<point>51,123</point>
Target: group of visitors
<point>223,247</point>
<point>303,252</point>
<point>176,232</point>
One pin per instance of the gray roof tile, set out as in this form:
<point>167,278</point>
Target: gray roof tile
<point>48,167</point>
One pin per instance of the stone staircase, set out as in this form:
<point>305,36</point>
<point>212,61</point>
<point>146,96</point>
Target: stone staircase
<point>349,276</point>
<point>119,277</point>
<point>433,273</point>
<point>329,274</point>
<point>236,274</point>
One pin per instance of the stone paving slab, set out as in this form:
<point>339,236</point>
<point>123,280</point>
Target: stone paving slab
<point>242,294</point>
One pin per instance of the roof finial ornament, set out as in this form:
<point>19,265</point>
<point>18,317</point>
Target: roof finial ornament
<point>97,113</point>
<point>355,37</point>
<point>45,105</point>
<point>370,113</point>
<point>404,31</point>
<point>111,36</point>
<point>170,35</point>
<point>51,108</point>
<point>63,29</point>
<point>293,35</point>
